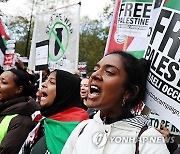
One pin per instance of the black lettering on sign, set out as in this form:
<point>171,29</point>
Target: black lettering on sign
<point>121,10</point>
<point>136,10</point>
<point>68,23</point>
<point>154,81</point>
<point>149,55</point>
<point>172,75</point>
<point>162,65</point>
<point>174,129</point>
<point>147,10</point>
<point>128,10</point>
<point>154,60</point>
<point>159,27</point>
<point>172,34</point>
<point>150,31</point>
<point>178,84</point>
<point>156,123</point>
<point>164,87</point>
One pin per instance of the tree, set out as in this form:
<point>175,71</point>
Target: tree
<point>92,42</point>
<point>18,30</point>
<point>93,37</point>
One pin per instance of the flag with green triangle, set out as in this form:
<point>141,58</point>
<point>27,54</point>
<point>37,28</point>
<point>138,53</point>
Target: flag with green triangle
<point>3,38</point>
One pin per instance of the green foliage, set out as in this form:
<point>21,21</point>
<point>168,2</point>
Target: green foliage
<point>92,42</point>
<point>93,37</point>
<point>18,28</point>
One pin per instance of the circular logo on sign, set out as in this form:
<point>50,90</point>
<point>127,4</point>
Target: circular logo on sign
<point>99,139</point>
<point>58,41</point>
<point>119,39</point>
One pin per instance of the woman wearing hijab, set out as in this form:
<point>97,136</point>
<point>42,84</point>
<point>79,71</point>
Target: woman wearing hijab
<point>116,86</point>
<point>62,109</point>
<point>16,107</point>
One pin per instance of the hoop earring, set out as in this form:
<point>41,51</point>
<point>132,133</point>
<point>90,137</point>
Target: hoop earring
<point>124,102</point>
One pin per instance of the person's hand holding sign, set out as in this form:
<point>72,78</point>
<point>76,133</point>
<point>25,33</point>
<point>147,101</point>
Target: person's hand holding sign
<point>164,131</point>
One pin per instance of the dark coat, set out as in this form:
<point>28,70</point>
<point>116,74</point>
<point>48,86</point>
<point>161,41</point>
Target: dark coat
<point>20,126</point>
<point>177,151</point>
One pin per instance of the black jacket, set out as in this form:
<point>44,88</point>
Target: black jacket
<point>20,126</point>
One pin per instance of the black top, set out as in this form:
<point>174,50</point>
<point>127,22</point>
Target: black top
<point>20,126</point>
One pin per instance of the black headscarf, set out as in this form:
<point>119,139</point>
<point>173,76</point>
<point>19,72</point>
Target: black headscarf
<point>67,94</point>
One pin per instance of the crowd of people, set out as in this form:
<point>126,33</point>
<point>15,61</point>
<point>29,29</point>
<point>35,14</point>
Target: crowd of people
<point>71,116</point>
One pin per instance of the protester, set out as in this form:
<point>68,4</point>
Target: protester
<point>16,107</point>
<point>84,89</point>
<point>117,85</point>
<point>62,110</point>
<point>84,94</point>
<point>32,79</point>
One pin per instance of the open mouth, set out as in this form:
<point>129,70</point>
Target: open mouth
<point>83,93</point>
<point>43,95</point>
<point>94,91</point>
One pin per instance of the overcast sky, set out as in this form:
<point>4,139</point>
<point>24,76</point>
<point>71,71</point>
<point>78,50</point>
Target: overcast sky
<point>91,8</point>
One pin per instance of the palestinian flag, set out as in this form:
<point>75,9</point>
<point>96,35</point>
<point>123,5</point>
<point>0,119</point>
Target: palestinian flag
<point>2,45</point>
<point>59,126</point>
<point>2,31</point>
<point>3,38</point>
